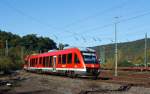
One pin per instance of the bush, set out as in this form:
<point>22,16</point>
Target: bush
<point>5,64</point>
<point>8,64</point>
<point>126,63</point>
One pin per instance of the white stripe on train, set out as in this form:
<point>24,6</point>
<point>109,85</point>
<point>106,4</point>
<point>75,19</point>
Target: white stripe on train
<point>49,69</point>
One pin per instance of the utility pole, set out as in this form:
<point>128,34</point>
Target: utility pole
<point>116,50</point>
<point>102,54</point>
<point>6,48</point>
<point>22,53</point>
<point>145,57</point>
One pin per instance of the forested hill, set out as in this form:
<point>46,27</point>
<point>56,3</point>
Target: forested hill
<point>128,52</point>
<point>19,47</point>
<point>30,42</point>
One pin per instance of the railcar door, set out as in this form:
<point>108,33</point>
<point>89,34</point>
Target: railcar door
<point>54,63</point>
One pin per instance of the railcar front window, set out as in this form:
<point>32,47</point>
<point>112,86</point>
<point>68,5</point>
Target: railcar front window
<point>89,58</point>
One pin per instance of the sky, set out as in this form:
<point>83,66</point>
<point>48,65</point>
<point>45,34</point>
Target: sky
<point>82,23</point>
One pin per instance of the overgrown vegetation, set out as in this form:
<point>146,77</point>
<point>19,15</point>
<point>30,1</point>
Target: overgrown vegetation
<point>18,47</point>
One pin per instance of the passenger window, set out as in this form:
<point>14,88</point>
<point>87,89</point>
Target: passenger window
<point>47,58</point>
<point>76,59</point>
<point>40,61</point>
<point>30,62</point>
<point>44,61</point>
<point>50,61</point>
<point>63,59</point>
<point>69,59</point>
<point>33,63</point>
<point>59,59</point>
<point>36,61</point>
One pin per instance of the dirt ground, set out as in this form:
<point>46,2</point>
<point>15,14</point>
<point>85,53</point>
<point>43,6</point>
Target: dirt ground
<point>31,83</point>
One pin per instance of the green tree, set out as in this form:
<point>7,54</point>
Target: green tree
<point>29,43</point>
<point>5,64</point>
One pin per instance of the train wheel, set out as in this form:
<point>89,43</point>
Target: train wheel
<point>74,75</point>
<point>96,76</point>
<point>39,71</point>
<point>66,73</point>
<point>71,74</point>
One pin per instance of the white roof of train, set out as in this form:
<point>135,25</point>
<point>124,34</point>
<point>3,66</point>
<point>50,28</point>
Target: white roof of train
<point>82,49</point>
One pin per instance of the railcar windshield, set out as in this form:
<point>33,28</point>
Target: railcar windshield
<point>89,58</point>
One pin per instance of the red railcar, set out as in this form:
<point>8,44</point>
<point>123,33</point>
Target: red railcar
<point>71,61</point>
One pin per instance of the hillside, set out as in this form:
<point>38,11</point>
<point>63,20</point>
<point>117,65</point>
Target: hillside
<point>128,52</point>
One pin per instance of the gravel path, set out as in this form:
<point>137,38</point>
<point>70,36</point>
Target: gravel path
<point>31,83</point>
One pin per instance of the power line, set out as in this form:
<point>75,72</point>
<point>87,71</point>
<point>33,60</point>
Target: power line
<point>92,29</point>
<point>121,21</point>
<point>27,15</point>
<point>37,20</point>
<point>30,17</point>
<point>111,24</point>
<point>134,17</point>
<point>137,31</point>
<point>97,14</point>
<point>93,16</point>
